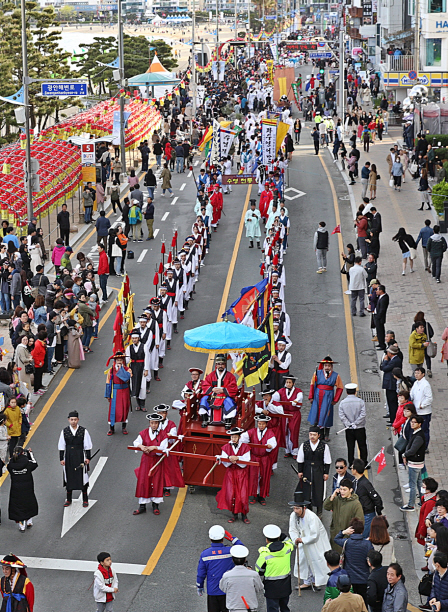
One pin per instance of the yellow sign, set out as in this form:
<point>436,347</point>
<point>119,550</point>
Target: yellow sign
<point>88,175</point>
<point>402,79</point>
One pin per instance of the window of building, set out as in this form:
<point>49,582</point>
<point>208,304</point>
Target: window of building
<point>433,51</point>
<point>436,6</point>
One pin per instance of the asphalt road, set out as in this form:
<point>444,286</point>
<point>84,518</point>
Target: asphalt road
<point>318,327</point>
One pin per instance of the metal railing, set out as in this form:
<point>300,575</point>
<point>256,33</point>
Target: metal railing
<point>399,63</point>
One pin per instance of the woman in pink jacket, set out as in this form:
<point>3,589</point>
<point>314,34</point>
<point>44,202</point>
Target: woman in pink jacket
<point>57,254</point>
<point>445,346</point>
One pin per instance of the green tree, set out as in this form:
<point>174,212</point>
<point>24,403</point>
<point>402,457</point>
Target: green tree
<point>46,59</point>
<point>67,13</point>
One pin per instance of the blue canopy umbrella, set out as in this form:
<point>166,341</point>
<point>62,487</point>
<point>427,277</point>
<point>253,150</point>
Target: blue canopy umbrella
<point>225,336</point>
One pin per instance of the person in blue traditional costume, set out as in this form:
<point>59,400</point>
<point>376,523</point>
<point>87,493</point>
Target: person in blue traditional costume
<point>325,391</point>
<point>118,393</point>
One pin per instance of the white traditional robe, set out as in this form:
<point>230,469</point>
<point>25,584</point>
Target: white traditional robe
<point>311,552</point>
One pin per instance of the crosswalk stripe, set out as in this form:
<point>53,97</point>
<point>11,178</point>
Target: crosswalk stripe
<point>156,231</point>
<point>142,256</point>
<point>182,187</point>
<point>173,201</point>
<point>165,215</point>
<point>79,565</point>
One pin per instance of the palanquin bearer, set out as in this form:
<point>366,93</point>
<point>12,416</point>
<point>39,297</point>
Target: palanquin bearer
<point>75,445</point>
<point>219,390</point>
<point>153,442</point>
<point>137,358</point>
<point>324,396</point>
<point>292,399</point>
<point>260,476</point>
<point>234,494</point>
<point>16,589</point>
<point>118,392</point>
<point>173,476</point>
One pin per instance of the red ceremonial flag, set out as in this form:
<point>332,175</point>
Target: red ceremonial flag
<point>126,286</point>
<point>170,257</point>
<point>156,279</point>
<point>381,460</point>
<point>173,241</point>
<point>118,320</point>
<point>275,260</point>
<point>163,251</point>
<point>337,230</point>
<point>160,268</point>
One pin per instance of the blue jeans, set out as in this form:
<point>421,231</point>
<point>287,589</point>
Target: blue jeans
<point>118,264</point>
<point>5,302</point>
<point>415,484</point>
<point>88,214</point>
<point>159,160</point>
<point>50,353</point>
<point>168,188</point>
<point>179,164</point>
<point>103,285</point>
<point>425,427</point>
<point>367,521</point>
<point>151,192</point>
<point>16,300</point>
<point>88,333</point>
<point>277,605</point>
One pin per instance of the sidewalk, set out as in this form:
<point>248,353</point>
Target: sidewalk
<point>409,294</point>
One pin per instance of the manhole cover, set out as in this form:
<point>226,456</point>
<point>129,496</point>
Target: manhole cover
<point>372,397</point>
<point>371,371</point>
<point>369,352</point>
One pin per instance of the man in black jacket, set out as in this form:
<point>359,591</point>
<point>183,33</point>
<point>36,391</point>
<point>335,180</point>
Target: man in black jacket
<point>414,457</point>
<point>390,361</point>
<point>379,316</point>
<point>377,581</point>
<point>40,281</point>
<point>63,220</point>
<point>370,500</point>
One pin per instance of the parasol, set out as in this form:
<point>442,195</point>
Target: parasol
<point>225,336</point>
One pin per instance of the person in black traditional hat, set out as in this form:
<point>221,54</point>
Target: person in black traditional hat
<point>324,395</point>
<point>16,589</point>
<point>75,445</point>
<point>219,391</point>
<point>310,536</point>
<point>137,358</point>
<point>314,462</point>
<point>234,494</point>
<point>22,500</point>
<point>279,365</point>
<point>118,392</point>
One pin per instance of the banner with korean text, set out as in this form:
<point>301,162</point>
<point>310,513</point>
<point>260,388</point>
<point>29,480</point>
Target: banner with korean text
<point>268,141</point>
<point>226,138</point>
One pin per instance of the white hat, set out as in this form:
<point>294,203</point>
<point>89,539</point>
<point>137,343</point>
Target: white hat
<point>351,386</point>
<point>239,551</point>
<point>216,532</point>
<point>271,532</point>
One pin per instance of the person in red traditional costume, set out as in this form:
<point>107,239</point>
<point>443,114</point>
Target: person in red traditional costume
<point>216,200</point>
<point>16,589</point>
<point>324,396</point>
<point>153,442</point>
<point>292,398</point>
<point>118,393</point>
<point>277,424</point>
<point>265,200</point>
<point>260,477</point>
<point>194,385</point>
<point>234,494</point>
<point>173,476</point>
<point>219,390</point>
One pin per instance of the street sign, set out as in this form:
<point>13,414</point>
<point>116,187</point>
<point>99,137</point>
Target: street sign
<point>321,55</point>
<point>412,74</point>
<point>334,71</point>
<point>299,46</point>
<point>238,179</point>
<point>321,44</point>
<point>87,153</point>
<point>64,89</point>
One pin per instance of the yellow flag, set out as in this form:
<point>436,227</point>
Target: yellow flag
<point>225,124</point>
<point>282,130</point>
<point>282,86</point>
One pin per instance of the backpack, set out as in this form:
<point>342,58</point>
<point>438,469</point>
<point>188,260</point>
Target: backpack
<point>115,195</point>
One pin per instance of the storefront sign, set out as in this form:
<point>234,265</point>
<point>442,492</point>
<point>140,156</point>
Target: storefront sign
<point>238,179</point>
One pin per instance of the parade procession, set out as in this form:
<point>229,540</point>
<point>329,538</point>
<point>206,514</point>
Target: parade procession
<point>206,398</point>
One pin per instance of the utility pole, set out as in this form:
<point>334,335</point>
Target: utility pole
<point>417,38</point>
<point>26,101</point>
<point>217,30</point>
<point>248,29</point>
<point>235,48</point>
<point>122,85</point>
<point>193,65</point>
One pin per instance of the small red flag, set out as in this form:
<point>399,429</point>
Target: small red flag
<point>156,279</point>
<point>381,460</point>
<point>170,257</point>
<point>337,230</point>
<point>163,251</point>
<point>160,268</point>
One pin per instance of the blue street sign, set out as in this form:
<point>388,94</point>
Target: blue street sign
<point>412,75</point>
<point>64,89</point>
<point>321,44</point>
<point>321,55</point>
<point>334,71</point>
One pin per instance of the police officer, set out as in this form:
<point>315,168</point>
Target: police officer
<point>274,565</point>
<point>213,563</point>
<point>241,581</point>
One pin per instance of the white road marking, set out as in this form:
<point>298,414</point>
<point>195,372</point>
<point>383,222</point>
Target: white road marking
<point>296,193</point>
<point>142,256</point>
<point>196,162</point>
<point>190,173</point>
<point>182,187</point>
<point>75,512</point>
<point>79,565</point>
<point>165,215</point>
<point>156,231</point>
<point>173,201</point>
